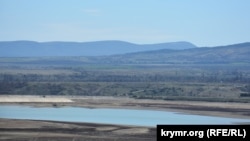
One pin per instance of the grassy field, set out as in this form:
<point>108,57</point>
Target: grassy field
<point>140,90</point>
<point>201,82</point>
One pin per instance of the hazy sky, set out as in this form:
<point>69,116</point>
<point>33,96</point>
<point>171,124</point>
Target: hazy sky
<point>202,22</point>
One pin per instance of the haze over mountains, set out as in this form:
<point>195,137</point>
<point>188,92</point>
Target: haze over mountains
<point>119,52</point>
<point>98,48</point>
<point>237,53</point>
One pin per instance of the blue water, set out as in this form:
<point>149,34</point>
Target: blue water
<point>111,116</point>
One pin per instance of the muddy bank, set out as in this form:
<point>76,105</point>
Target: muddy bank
<point>32,130</point>
<point>223,109</point>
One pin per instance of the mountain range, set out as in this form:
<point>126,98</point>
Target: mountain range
<point>98,48</point>
<point>239,53</point>
<point>119,52</point>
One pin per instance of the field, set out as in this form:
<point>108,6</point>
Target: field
<point>196,82</point>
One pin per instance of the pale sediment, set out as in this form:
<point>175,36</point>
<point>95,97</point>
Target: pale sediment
<point>33,99</point>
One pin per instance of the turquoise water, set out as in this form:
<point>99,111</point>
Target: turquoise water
<point>110,116</point>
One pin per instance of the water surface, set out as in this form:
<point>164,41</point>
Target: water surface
<point>110,116</point>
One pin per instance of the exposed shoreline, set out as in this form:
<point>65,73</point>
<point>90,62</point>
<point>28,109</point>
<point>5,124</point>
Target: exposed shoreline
<point>36,130</point>
<point>222,109</point>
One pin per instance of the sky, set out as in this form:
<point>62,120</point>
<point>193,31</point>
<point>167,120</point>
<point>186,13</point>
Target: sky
<point>201,22</point>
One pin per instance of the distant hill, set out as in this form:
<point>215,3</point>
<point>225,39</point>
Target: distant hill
<point>221,54</point>
<point>118,52</point>
<point>98,48</point>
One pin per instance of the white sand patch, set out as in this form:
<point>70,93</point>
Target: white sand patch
<point>28,98</point>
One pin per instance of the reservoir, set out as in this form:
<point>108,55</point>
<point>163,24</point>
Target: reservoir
<point>110,116</point>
